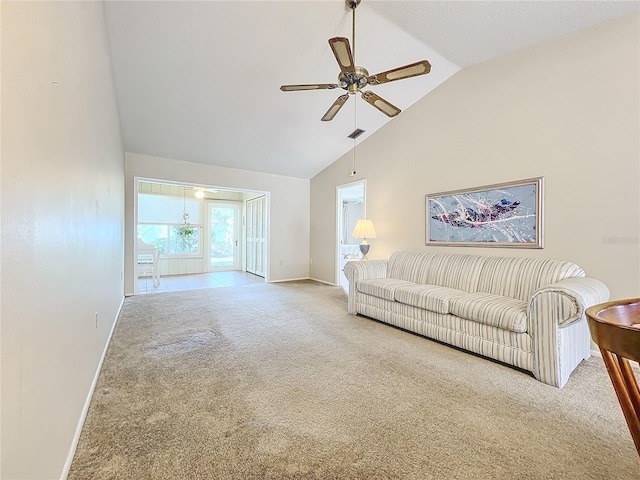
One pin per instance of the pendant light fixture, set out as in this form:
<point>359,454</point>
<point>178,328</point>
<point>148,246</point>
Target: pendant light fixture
<point>186,230</point>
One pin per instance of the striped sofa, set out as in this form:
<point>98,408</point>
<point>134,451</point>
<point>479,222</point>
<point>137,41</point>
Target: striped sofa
<point>525,312</point>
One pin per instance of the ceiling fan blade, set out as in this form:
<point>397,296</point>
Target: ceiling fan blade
<point>381,104</point>
<point>311,86</point>
<point>412,70</point>
<point>342,52</point>
<point>335,108</point>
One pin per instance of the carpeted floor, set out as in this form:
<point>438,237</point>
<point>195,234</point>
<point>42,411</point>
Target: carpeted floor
<point>276,381</point>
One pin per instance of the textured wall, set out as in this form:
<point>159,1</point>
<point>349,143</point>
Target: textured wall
<point>62,226</point>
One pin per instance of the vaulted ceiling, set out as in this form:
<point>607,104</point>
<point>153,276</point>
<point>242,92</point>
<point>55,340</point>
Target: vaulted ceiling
<point>199,81</point>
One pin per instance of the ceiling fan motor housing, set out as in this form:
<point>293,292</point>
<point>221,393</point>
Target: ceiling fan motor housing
<point>352,82</point>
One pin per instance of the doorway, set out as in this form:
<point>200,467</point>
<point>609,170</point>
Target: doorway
<point>350,207</point>
<point>215,253</point>
<point>223,235</point>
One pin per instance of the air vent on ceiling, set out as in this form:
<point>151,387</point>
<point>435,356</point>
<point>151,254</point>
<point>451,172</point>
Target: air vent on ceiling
<point>356,133</point>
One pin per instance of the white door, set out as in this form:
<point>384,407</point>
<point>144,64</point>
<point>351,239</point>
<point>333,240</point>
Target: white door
<point>223,231</point>
<point>256,236</point>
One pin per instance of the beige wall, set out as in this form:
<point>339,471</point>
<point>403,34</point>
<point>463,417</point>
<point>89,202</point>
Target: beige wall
<point>289,209</point>
<point>567,110</point>
<point>62,226</point>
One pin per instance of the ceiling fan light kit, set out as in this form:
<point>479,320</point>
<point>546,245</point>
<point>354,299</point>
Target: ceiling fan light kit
<point>353,78</point>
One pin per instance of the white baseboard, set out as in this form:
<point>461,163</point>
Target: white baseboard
<point>289,280</point>
<point>303,278</point>
<point>322,281</point>
<point>87,402</point>
<point>596,353</point>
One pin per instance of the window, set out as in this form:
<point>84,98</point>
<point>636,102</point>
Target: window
<point>168,240</point>
<point>159,223</point>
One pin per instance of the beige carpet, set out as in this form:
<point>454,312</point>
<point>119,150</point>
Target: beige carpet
<point>276,381</point>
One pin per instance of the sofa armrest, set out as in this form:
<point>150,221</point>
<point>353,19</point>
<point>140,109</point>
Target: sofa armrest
<point>558,327</point>
<point>356,270</point>
<point>565,301</point>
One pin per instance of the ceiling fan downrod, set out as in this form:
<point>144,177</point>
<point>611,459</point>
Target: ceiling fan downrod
<point>353,4</point>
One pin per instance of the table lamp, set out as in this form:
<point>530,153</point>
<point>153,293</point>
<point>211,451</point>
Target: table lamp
<point>364,229</point>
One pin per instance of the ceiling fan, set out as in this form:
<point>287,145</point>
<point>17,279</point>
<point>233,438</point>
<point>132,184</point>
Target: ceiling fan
<point>353,78</point>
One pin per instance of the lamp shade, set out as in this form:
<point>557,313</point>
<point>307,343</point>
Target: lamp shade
<point>364,229</point>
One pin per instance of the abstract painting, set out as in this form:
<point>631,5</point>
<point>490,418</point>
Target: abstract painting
<point>501,215</point>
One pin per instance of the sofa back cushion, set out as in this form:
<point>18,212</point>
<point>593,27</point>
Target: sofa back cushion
<point>520,277</point>
<point>461,272</point>
<point>506,276</point>
<point>409,266</point>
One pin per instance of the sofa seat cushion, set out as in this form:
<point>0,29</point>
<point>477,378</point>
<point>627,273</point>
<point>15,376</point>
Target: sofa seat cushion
<point>428,297</point>
<point>502,312</point>
<point>382,287</point>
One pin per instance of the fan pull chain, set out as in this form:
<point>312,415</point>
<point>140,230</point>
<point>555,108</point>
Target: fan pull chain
<point>355,127</point>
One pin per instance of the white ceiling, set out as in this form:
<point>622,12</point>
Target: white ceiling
<point>199,81</point>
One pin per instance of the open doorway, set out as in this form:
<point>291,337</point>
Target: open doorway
<point>350,207</point>
<point>223,233</point>
<point>199,232</point>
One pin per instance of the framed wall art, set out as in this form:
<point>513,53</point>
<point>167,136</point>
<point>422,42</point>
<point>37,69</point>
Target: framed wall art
<point>502,215</point>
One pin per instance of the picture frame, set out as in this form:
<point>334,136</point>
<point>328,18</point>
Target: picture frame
<point>501,215</point>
